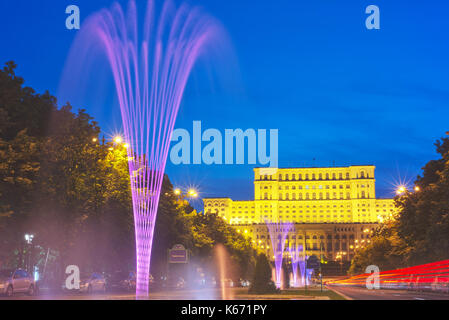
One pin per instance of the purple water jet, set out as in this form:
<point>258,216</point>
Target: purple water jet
<point>150,72</point>
<point>298,260</point>
<point>294,257</point>
<point>278,234</point>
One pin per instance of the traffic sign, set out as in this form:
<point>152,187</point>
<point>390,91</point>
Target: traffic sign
<point>178,254</point>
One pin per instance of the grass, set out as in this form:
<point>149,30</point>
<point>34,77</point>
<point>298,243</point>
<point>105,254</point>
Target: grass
<point>313,293</point>
<point>310,293</point>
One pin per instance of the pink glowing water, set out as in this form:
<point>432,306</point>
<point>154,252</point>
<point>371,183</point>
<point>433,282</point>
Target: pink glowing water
<point>150,70</point>
<point>278,234</point>
<point>222,260</point>
<point>297,256</point>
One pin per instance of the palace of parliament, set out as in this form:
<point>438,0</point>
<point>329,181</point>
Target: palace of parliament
<point>334,209</point>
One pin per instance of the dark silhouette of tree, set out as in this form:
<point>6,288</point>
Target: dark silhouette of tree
<point>71,189</point>
<point>419,233</point>
<point>262,282</point>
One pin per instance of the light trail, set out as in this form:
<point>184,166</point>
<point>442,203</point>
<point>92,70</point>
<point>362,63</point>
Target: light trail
<point>432,276</point>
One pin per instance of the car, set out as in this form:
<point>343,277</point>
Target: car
<point>244,283</point>
<point>16,281</point>
<point>96,282</point>
<point>121,281</point>
<point>90,283</point>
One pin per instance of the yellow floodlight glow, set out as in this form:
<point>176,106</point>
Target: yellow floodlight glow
<point>177,192</point>
<point>118,139</point>
<point>401,190</point>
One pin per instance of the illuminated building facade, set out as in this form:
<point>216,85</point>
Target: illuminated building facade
<point>334,209</point>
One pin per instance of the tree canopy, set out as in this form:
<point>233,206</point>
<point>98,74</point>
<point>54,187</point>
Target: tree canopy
<point>419,232</point>
<point>62,182</point>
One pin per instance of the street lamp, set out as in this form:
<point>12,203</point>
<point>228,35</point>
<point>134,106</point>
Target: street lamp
<point>29,239</point>
<point>118,140</point>
<point>401,190</point>
<point>192,193</point>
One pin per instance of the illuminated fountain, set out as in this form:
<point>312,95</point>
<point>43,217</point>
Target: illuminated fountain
<point>294,258</point>
<point>222,260</point>
<point>278,235</point>
<point>298,260</point>
<point>150,70</point>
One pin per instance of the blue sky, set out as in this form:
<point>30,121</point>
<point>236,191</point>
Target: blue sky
<point>337,92</point>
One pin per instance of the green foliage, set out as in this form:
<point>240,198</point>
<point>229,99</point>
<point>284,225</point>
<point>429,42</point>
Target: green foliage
<point>262,282</point>
<point>72,191</point>
<point>420,231</point>
<point>210,230</point>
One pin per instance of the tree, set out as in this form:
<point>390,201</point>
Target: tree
<point>419,233</point>
<point>262,282</point>
<point>72,191</point>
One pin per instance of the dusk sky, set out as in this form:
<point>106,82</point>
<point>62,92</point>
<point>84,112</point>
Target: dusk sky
<point>337,92</point>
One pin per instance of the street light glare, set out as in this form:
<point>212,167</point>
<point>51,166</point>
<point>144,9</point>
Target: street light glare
<point>401,189</point>
<point>177,192</point>
<point>193,193</point>
<point>118,139</point>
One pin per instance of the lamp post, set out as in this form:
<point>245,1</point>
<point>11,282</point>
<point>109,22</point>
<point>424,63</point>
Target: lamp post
<point>321,262</point>
<point>191,193</point>
<point>29,240</point>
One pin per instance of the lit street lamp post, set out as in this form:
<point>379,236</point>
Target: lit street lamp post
<point>29,241</point>
<point>191,193</point>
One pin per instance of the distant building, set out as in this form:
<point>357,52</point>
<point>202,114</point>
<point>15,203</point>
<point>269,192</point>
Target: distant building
<point>334,209</point>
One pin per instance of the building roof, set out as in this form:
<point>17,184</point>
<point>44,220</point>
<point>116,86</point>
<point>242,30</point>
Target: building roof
<point>322,167</point>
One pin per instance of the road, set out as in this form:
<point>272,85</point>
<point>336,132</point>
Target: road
<point>356,293</point>
<point>204,294</point>
<point>177,295</point>
<point>353,293</point>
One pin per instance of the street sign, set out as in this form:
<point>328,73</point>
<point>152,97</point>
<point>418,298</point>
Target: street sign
<point>178,254</point>
<point>313,262</point>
